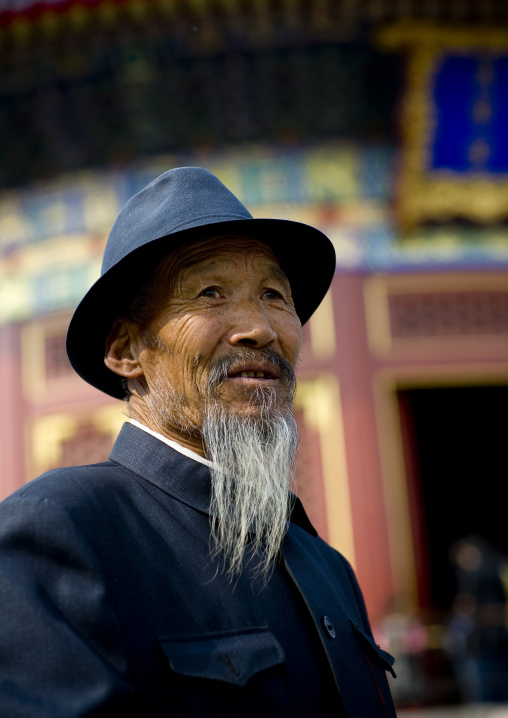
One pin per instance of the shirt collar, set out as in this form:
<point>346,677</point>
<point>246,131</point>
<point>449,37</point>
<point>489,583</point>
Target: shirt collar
<point>174,445</point>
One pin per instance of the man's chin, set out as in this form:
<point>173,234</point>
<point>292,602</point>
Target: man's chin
<point>253,406</point>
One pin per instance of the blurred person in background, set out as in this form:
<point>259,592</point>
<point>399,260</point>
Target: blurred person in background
<point>477,636</point>
<point>182,577</point>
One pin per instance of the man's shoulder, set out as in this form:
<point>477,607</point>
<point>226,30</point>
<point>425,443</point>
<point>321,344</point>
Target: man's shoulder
<point>68,485</point>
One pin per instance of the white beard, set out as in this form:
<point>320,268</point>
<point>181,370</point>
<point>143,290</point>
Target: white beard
<point>253,468</point>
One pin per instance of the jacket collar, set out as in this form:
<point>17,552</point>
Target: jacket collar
<point>174,473</point>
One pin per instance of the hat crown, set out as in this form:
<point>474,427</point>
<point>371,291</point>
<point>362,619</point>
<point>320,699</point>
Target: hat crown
<point>179,199</point>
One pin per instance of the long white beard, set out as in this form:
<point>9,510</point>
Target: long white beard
<point>253,468</point>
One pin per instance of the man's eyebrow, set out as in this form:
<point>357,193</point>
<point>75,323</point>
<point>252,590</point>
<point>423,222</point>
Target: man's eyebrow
<point>276,272</point>
<point>208,265</point>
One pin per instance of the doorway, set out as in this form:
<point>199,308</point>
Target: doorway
<point>456,451</point>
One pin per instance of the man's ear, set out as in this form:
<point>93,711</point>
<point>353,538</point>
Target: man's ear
<point>123,347</point>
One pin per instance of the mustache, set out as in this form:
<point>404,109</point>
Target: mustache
<point>220,368</point>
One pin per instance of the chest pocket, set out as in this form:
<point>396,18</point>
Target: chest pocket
<point>232,657</point>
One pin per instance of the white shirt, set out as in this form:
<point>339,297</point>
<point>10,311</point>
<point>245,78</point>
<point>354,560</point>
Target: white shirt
<point>174,445</point>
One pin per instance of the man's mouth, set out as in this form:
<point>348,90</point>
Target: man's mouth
<point>253,369</point>
<point>254,373</point>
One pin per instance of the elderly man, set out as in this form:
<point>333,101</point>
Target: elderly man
<point>182,577</point>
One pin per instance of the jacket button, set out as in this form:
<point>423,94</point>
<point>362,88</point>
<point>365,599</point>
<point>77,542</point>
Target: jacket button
<point>330,628</point>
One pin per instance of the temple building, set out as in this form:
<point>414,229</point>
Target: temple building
<point>381,123</point>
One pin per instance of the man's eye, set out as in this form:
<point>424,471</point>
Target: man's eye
<point>210,292</point>
<point>272,294</point>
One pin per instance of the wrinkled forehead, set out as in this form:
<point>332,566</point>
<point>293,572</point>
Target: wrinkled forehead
<point>209,254</point>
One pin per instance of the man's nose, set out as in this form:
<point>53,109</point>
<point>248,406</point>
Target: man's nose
<point>252,328</point>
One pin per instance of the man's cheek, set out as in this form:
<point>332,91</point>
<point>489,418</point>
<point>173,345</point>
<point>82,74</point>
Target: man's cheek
<point>193,377</point>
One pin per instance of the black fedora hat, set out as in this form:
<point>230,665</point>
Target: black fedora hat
<point>183,206</point>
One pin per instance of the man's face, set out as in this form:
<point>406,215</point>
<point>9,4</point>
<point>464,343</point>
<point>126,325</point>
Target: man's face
<point>223,296</point>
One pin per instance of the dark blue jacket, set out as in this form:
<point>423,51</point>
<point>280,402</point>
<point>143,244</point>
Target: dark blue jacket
<point>110,604</point>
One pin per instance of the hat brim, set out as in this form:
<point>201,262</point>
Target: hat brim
<point>306,255</point>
